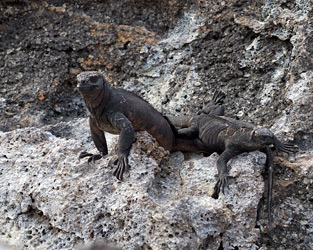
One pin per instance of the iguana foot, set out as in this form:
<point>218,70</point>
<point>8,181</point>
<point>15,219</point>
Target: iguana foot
<point>287,148</point>
<point>122,164</point>
<point>215,106</point>
<point>218,97</point>
<point>84,154</point>
<point>220,185</point>
<point>92,157</point>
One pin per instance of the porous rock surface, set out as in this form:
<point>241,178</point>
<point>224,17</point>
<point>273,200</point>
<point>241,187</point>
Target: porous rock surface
<point>51,200</point>
<point>174,54</point>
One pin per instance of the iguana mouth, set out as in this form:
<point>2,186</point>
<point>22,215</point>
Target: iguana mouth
<point>84,85</point>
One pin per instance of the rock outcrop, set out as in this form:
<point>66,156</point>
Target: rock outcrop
<point>174,54</point>
<point>51,200</point>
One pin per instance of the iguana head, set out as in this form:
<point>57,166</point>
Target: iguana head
<point>93,87</point>
<point>90,81</point>
<point>263,136</point>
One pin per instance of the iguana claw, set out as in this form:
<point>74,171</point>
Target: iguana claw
<point>221,184</point>
<point>218,97</point>
<point>84,154</point>
<point>122,165</point>
<point>92,157</point>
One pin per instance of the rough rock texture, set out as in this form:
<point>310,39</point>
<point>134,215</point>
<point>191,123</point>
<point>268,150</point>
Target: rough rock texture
<point>174,54</point>
<point>52,201</point>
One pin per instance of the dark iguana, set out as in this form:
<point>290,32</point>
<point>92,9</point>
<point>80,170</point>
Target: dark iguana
<point>229,137</point>
<point>118,111</point>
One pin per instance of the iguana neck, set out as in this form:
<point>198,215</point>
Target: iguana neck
<point>97,104</point>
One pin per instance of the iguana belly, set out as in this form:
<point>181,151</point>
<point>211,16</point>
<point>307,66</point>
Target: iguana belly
<point>107,127</point>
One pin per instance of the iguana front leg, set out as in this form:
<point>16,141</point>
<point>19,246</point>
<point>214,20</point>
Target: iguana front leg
<point>99,140</point>
<point>222,170</point>
<point>287,148</point>
<point>120,121</point>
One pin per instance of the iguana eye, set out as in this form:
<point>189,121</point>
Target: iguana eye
<point>263,137</point>
<point>93,79</point>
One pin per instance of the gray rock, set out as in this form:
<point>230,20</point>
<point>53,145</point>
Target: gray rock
<point>51,200</point>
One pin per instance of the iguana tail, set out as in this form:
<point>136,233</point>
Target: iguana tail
<point>181,121</point>
<point>269,167</point>
<point>270,196</point>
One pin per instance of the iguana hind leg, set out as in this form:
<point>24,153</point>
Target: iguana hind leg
<point>214,110</point>
<point>190,145</point>
<point>214,107</point>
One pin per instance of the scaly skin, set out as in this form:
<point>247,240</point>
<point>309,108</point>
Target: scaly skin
<point>118,111</point>
<point>230,137</point>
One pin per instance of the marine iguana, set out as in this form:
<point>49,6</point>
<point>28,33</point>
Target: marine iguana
<point>118,111</point>
<point>229,137</point>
